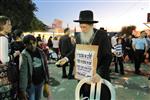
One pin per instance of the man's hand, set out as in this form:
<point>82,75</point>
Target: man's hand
<point>96,78</point>
<point>61,62</point>
<point>16,53</point>
<point>128,48</point>
<point>23,95</point>
<point>146,55</point>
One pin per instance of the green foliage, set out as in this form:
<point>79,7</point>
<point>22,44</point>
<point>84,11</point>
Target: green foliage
<point>21,13</point>
<point>37,25</point>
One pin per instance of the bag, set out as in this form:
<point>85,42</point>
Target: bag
<point>46,91</point>
<point>13,77</point>
<point>12,72</point>
<point>9,81</point>
<point>5,85</point>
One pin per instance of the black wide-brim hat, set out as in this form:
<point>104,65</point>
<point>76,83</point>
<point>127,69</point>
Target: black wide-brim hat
<point>86,16</point>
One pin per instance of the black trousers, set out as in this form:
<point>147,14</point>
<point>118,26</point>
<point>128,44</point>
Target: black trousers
<point>139,57</point>
<point>70,69</point>
<point>119,60</point>
<point>130,54</point>
<point>105,93</point>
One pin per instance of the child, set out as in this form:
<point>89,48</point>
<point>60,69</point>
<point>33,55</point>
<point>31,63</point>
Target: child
<point>119,56</point>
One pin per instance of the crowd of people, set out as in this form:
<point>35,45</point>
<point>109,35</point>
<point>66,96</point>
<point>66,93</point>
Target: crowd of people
<point>134,49</point>
<point>30,56</point>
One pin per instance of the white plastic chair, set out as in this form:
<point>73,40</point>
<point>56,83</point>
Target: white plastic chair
<point>92,91</point>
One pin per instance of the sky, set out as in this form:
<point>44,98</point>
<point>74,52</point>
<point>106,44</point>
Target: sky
<point>111,14</point>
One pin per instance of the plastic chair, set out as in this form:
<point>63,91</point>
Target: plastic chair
<point>92,91</point>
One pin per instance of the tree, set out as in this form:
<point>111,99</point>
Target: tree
<point>128,30</point>
<point>37,25</point>
<point>21,12</point>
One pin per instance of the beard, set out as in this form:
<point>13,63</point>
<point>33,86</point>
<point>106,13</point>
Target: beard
<point>86,36</point>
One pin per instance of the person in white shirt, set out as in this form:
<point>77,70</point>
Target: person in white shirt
<point>5,28</point>
<point>114,40</point>
<point>56,46</point>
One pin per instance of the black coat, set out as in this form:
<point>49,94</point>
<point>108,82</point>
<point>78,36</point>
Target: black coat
<point>104,52</point>
<point>65,45</point>
<point>104,59</point>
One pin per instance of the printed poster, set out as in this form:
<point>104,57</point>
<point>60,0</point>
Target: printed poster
<point>85,61</point>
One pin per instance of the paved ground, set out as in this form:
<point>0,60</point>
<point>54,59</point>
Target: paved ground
<point>128,87</point>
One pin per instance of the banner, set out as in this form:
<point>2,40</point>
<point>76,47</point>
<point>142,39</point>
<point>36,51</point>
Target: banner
<point>85,61</point>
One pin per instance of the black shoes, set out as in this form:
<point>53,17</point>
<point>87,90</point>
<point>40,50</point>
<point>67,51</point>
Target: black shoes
<point>138,72</point>
<point>71,77</point>
<point>64,76</point>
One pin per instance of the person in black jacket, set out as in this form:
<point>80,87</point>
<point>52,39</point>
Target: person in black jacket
<point>92,36</point>
<point>65,47</point>
<point>50,43</point>
<point>33,70</point>
<point>17,45</point>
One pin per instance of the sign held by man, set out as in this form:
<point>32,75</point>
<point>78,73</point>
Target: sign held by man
<point>85,61</point>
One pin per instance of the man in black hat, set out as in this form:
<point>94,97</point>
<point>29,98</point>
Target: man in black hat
<point>90,35</point>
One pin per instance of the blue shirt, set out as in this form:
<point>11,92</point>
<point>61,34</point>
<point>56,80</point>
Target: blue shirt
<point>140,43</point>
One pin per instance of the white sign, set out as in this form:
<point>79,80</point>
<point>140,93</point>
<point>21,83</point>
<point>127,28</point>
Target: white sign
<point>85,62</point>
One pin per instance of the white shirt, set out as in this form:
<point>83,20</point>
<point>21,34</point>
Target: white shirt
<point>55,43</point>
<point>4,49</point>
<point>113,41</point>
